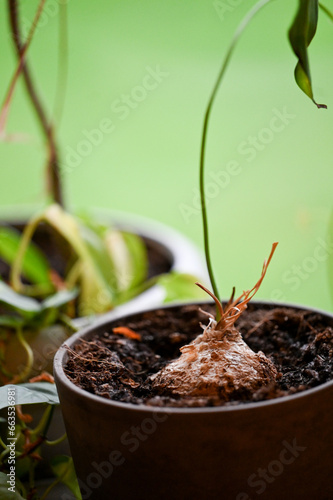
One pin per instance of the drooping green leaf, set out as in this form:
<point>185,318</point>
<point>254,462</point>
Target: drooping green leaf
<point>27,306</point>
<point>93,267</point>
<point>5,493</point>
<point>29,393</point>
<point>103,270</point>
<point>34,267</point>
<point>128,254</point>
<point>51,308</point>
<point>180,287</point>
<point>63,468</point>
<point>59,299</point>
<point>301,34</point>
<point>138,259</point>
<point>96,277</point>
<point>134,292</point>
<point>88,220</point>
<point>100,256</point>
<point>32,314</point>
<point>11,321</point>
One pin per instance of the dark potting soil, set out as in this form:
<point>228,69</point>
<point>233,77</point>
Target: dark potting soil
<point>111,365</point>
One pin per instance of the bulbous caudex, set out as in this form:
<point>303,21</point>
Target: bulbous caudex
<point>218,363</point>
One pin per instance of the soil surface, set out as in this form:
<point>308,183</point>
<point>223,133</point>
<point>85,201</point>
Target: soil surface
<point>117,367</point>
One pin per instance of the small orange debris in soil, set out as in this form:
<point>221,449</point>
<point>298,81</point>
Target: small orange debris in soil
<point>127,332</point>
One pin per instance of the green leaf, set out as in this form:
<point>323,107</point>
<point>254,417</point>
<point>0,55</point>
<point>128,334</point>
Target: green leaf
<point>34,267</point>
<point>301,34</point>
<point>138,259</point>
<point>29,393</point>
<point>63,468</point>
<point>11,321</point>
<point>98,251</point>
<point>93,267</point>
<point>51,308</point>
<point>126,266</point>
<point>100,267</point>
<point>129,256</point>
<point>134,292</point>
<point>33,314</point>
<point>88,220</point>
<point>5,493</point>
<point>59,299</point>
<point>25,305</point>
<point>180,287</point>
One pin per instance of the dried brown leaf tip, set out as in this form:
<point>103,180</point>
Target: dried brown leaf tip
<point>218,363</point>
<point>43,377</point>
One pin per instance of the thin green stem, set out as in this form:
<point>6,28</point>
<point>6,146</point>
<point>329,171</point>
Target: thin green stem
<point>31,475</point>
<point>49,488</point>
<point>6,373</point>
<point>17,265</point>
<point>3,454</point>
<point>56,441</point>
<point>258,6</point>
<point>44,422</point>
<point>327,12</point>
<point>30,356</point>
<point>3,444</point>
<point>66,321</point>
<point>74,274</point>
<point>21,487</point>
<point>48,421</point>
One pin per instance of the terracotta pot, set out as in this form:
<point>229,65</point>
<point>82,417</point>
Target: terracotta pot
<point>274,449</point>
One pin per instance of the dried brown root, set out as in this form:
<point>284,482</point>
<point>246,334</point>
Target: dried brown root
<point>219,363</point>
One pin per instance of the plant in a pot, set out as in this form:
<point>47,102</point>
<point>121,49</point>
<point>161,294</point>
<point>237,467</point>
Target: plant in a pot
<point>243,411</point>
<point>58,270</point>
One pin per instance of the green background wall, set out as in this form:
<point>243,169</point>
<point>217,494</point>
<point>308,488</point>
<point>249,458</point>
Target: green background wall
<point>146,158</point>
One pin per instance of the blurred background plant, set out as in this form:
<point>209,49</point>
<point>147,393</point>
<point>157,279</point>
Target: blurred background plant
<point>149,68</point>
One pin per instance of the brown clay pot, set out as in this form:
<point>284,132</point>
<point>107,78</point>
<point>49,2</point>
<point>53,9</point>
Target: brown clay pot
<point>277,449</point>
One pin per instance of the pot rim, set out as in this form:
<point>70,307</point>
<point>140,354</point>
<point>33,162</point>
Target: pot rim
<point>60,376</point>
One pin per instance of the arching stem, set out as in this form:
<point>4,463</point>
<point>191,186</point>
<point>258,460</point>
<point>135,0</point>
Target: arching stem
<point>24,374</point>
<point>258,6</point>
